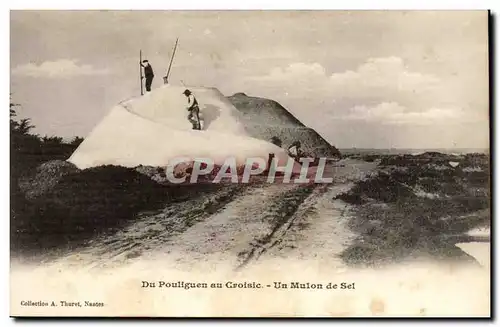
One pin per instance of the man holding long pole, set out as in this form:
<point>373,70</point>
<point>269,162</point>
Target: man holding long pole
<point>140,72</point>
<point>148,74</point>
<point>194,110</point>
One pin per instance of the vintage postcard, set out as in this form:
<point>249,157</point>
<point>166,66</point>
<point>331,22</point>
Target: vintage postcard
<point>250,163</point>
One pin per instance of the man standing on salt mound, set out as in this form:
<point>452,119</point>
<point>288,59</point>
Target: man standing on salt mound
<point>194,110</point>
<point>148,74</point>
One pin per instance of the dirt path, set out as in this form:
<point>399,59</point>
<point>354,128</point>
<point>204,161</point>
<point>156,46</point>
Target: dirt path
<point>236,226</point>
<point>150,231</point>
<point>277,220</point>
<point>225,235</point>
<point>318,230</point>
<point>266,234</point>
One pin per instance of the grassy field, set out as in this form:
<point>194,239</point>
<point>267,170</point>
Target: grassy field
<point>71,206</point>
<point>417,206</point>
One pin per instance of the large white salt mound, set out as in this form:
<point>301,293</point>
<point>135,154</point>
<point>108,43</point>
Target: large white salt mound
<point>167,105</point>
<point>153,129</point>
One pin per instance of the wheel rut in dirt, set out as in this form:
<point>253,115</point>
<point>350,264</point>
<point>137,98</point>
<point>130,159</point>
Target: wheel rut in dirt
<point>282,214</point>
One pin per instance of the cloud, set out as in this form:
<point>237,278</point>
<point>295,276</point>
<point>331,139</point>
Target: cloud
<point>63,68</point>
<point>395,114</point>
<point>379,90</point>
<point>296,71</point>
<point>386,78</point>
<point>381,77</point>
<point>296,81</point>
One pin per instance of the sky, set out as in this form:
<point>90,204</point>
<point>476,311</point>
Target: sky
<point>365,79</point>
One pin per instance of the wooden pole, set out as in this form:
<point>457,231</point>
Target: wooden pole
<point>165,79</point>
<point>140,71</point>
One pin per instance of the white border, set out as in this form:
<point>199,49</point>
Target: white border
<point>178,5</point>
<point>258,5</point>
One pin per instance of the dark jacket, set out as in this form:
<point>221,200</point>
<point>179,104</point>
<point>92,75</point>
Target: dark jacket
<point>148,71</point>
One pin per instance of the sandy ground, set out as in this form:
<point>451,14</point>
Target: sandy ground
<point>263,234</point>
<point>244,228</point>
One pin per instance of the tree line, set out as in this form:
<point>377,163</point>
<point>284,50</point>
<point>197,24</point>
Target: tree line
<point>28,150</point>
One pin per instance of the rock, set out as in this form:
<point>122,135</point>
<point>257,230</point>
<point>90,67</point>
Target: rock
<point>266,119</point>
<point>156,174</point>
<point>45,178</point>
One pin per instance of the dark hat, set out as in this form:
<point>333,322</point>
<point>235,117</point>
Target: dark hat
<point>145,61</point>
<point>187,92</point>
